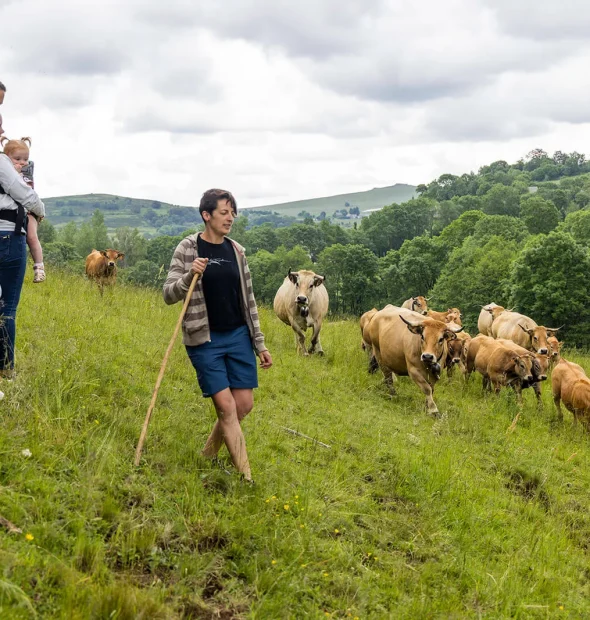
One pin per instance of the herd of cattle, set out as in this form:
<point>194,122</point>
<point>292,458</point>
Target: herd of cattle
<point>413,340</point>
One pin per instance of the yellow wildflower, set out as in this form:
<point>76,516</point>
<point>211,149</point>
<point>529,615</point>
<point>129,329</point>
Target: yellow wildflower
<point>29,537</point>
<point>274,562</point>
<point>336,531</point>
<point>326,574</point>
<point>302,526</point>
<point>286,506</point>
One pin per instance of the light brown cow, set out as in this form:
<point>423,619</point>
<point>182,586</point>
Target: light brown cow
<point>455,351</point>
<point>540,366</point>
<point>417,304</point>
<point>487,316</point>
<point>522,330</point>
<point>302,302</point>
<point>572,386</point>
<point>554,350</point>
<point>101,266</point>
<point>365,319</point>
<point>407,343</point>
<point>452,315</point>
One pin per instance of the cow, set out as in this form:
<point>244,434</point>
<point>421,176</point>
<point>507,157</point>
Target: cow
<point>554,350</point>
<point>365,319</point>
<point>540,366</point>
<point>452,315</point>
<point>522,330</point>
<point>408,343</point>
<point>455,350</point>
<point>487,316</point>
<point>101,266</point>
<point>571,385</point>
<point>417,304</point>
<point>302,302</point>
<point>501,365</point>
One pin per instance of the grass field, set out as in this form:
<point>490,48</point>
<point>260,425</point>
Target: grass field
<point>403,517</point>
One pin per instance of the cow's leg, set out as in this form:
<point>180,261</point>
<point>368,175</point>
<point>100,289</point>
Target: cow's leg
<point>557,403</point>
<point>537,391</point>
<point>299,338</point>
<point>389,378</point>
<point>420,380</point>
<point>373,365</point>
<point>316,346</point>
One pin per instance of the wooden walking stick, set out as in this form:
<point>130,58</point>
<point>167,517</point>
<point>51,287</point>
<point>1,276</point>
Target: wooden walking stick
<point>162,369</point>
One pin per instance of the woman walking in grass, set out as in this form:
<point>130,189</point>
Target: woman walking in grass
<point>221,329</point>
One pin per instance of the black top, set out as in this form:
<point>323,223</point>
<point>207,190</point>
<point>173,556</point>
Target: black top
<point>221,285</point>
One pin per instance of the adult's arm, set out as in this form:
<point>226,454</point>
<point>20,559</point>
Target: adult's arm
<point>15,187</point>
<point>179,279</point>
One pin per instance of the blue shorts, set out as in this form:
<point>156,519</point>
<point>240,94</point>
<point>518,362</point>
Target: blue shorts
<point>227,361</point>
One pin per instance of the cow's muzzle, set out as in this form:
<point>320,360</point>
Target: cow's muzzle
<point>428,358</point>
<point>456,360</point>
<point>301,299</point>
<point>542,377</point>
<point>304,311</point>
<point>543,351</point>
<point>111,264</point>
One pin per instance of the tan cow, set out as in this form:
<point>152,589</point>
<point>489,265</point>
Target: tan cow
<point>452,315</point>
<point>101,266</point>
<point>572,386</point>
<point>302,302</point>
<point>522,330</point>
<point>554,350</point>
<point>455,351</point>
<point>487,316</point>
<point>540,366</point>
<point>417,304</point>
<point>407,343</point>
<point>365,319</point>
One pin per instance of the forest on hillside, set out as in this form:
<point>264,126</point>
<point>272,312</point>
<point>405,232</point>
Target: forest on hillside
<point>516,234</point>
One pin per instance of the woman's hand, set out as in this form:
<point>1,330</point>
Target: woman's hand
<point>199,265</point>
<point>265,359</point>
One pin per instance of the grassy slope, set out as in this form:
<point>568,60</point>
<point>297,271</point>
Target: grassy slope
<point>403,517</point>
<point>371,199</point>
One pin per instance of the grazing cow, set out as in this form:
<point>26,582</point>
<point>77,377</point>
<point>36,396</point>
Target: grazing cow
<point>522,330</point>
<point>101,266</point>
<point>554,350</point>
<point>571,385</point>
<point>365,319</point>
<point>452,315</point>
<point>417,304</point>
<point>487,316</point>
<point>302,302</point>
<point>407,343</point>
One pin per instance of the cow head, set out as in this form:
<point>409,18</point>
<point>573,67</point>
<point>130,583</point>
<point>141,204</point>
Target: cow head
<point>494,310</point>
<point>454,316</point>
<point>522,366</point>
<point>538,336</point>
<point>434,336</point>
<point>112,257</point>
<point>554,348</point>
<point>540,367</point>
<point>305,283</point>
<point>420,304</point>
<point>454,350</point>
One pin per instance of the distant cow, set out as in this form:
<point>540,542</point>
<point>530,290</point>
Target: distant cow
<point>571,385</point>
<point>302,302</point>
<point>101,266</point>
<point>408,343</point>
<point>540,366</point>
<point>455,348</point>
<point>417,304</point>
<point>522,330</point>
<point>452,315</point>
<point>487,316</point>
<point>554,350</point>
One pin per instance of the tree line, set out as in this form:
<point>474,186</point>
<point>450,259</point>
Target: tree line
<point>517,234</point>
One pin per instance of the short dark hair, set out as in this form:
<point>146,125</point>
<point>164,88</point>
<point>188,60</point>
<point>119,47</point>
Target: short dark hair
<point>212,196</point>
<point>2,87</point>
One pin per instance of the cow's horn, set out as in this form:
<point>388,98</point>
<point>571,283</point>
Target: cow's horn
<point>408,322</point>
<point>524,329</point>
<point>455,329</point>
<point>554,329</point>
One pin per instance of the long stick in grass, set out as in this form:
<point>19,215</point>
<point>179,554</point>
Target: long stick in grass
<point>293,432</point>
<point>162,369</point>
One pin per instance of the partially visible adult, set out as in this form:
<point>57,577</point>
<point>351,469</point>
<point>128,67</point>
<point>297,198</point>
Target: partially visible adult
<point>16,199</point>
<point>221,329</point>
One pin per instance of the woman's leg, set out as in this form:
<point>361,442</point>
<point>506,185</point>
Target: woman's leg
<point>231,432</point>
<point>13,262</point>
<point>244,401</point>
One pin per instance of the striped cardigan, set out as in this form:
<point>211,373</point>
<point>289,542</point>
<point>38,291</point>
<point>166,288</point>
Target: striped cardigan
<point>195,325</point>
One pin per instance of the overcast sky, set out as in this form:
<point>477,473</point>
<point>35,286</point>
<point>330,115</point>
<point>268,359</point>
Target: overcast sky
<point>279,100</point>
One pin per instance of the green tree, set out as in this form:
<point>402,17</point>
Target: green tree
<point>132,243</point>
<point>350,272</point>
<point>145,273</point>
<point>261,238</point>
<point>68,233</point>
<point>510,228</point>
<point>420,263</point>
<point>455,233</point>
<point>577,224</point>
<point>308,236</point>
<point>549,282</point>
<point>46,232</point>
<point>502,200</point>
<point>161,249</point>
<point>539,215</point>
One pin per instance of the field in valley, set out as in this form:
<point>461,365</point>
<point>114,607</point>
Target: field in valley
<point>403,516</point>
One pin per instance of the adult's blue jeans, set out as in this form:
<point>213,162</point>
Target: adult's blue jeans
<point>13,263</point>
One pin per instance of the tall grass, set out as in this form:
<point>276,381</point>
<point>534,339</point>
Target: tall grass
<point>402,517</point>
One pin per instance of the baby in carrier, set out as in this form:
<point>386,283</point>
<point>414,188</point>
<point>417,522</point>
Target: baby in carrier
<point>18,152</point>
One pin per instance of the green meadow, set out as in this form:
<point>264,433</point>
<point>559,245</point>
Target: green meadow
<point>483,513</point>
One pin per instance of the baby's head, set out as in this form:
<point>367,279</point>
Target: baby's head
<point>17,150</point>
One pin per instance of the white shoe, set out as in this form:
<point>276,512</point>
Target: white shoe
<point>1,395</point>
